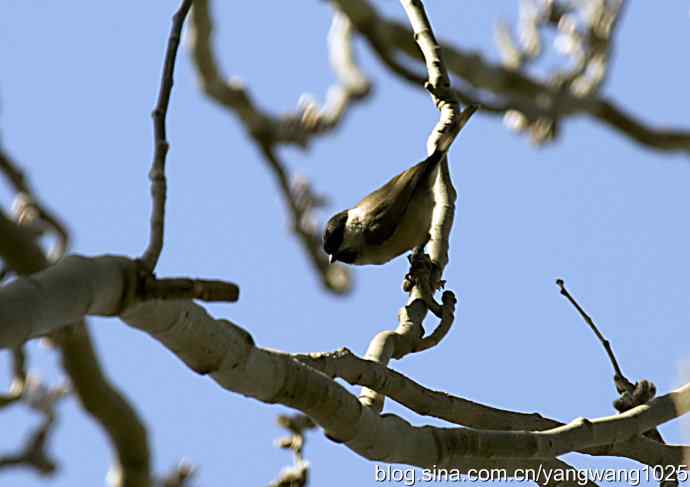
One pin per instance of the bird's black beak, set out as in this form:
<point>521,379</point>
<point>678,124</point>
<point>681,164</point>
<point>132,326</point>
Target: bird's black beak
<point>332,258</point>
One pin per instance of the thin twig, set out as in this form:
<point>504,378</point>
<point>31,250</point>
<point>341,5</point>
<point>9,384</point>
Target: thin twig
<point>178,288</point>
<point>296,475</point>
<point>43,400</point>
<point>161,145</point>
<point>605,343</point>
<point>33,454</point>
<point>632,395</point>
<point>335,278</point>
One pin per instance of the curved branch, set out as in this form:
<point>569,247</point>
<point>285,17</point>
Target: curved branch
<point>161,145</point>
<point>124,428</point>
<point>408,336</point>
<point>269,131</point>
<point>513,90</point>
<point>108,406</point>
<point>457,410</point>
<point>28,207</point>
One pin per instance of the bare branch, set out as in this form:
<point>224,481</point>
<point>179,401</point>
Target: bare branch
<point>102,286</point>
<point>632,395</point>
<point>604,342</point>
<point>292,128</point>
<point>269,131</point>
<point>182,288</point>
<point>161,145</point>
<point>336,278</point>
<point>409,334</point>
<point>33,454</point>
<point>457,410</point>
<point>108,406</point>
<point>508,90</point>
<point>296,475</point>
<point>112,411</point>
<point>42,399</point>
<point>280,375</point>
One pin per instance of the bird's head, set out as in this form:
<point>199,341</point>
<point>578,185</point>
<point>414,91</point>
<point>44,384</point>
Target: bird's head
<point>334,237</point>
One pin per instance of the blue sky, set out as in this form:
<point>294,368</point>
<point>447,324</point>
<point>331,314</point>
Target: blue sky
<point>77,85</point>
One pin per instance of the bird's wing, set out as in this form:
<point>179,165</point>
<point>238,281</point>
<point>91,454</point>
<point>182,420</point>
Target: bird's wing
<point>385,207</point>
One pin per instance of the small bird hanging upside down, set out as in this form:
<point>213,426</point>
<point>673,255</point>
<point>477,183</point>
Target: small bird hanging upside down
<point>389,221</point>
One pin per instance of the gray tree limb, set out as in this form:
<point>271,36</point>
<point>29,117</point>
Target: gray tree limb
<point>107,286</point>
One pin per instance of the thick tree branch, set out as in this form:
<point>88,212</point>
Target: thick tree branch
<point>103,285</point>
<point>107,405</point>
<point>357,371</point>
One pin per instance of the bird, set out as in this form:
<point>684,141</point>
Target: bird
<point>387,222</point>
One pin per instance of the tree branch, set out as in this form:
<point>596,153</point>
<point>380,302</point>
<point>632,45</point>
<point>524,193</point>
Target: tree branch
<point>509,90</point>
<point>161,145</point>
<point>33,454</point>
<point>632,395</point>
<point>409,334</point>
<point>269,131</point>
<point>335,278</point>
<point>108,406</point>
<point>296,475</point>
<point>122,424</point>
<point>29,211</point>
<point>217,347</point>
<point>357,371</point>
<point>604,342</point>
